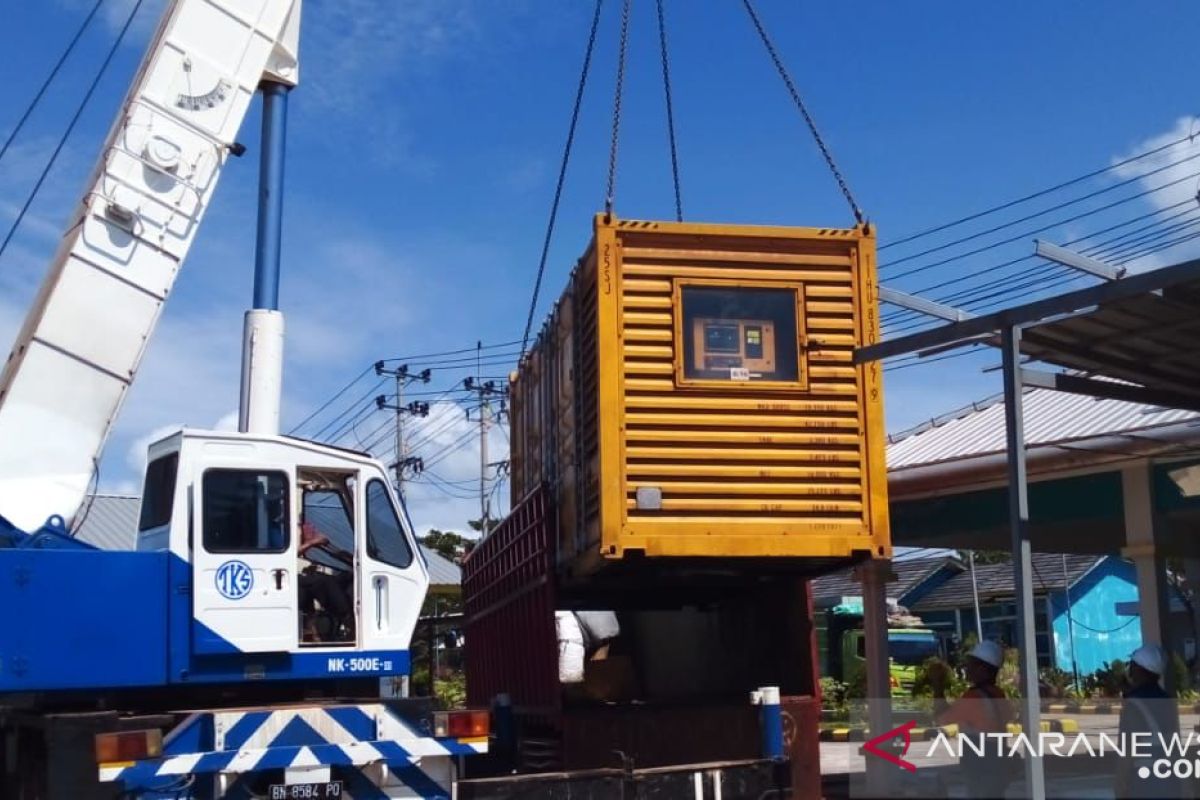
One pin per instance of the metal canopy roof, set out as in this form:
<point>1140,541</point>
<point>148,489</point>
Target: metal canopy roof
<point>1142,333</point>
<point>1137,340</point>
<point>1152,339</point>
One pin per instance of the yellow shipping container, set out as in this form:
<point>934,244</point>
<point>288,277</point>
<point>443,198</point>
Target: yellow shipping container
<point>692,395</point>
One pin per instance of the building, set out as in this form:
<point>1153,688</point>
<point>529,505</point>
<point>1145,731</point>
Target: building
<point>1085,606</point>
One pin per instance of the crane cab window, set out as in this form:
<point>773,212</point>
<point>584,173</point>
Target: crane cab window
<point>245,511</point>
<point>158,494</point>
<point>386,540</point>
<point>732,334</point>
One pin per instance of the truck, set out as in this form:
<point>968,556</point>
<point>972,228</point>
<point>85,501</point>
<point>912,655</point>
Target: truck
<point>842,643</point>
<point>202,664</point>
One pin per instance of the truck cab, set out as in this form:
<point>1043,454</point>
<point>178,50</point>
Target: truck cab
<point>908,649</point>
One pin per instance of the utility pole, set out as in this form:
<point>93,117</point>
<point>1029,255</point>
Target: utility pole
<point>1070,622</point>
<point>403,378</point>
<point>484,390</point>
<point>485,409</point>
<point>975,597</point>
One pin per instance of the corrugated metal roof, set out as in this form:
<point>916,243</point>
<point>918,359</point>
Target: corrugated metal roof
<point>1050,418</point>
<point>909,574</point>
<point>111,524</point>
<point>443,572</point>
<point>996,580</point>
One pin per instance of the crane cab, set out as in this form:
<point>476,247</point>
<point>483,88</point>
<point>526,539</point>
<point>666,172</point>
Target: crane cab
<point>297,559</point>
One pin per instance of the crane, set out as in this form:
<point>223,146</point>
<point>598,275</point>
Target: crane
<point>83,339</point>
<point>268,569</point>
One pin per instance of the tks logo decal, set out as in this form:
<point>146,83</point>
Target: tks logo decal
<point>234,580</point>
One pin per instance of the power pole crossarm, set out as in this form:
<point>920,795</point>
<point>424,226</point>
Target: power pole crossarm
<point>402,377</point>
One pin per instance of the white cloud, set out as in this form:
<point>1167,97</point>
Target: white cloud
<point>355,48</point>
<point>135,456</point>
<point>1166,160</point>
<point>1173,165</point>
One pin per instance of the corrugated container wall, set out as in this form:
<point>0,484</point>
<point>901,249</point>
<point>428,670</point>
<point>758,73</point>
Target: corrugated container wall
<point>693,395</point>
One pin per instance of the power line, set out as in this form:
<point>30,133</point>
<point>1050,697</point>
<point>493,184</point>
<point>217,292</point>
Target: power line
<point>370,393</point>
<point>1030,257</point>
<point>1050,226</point>
<point>331,400</point>
<point>460,351</point>
<point>425,437</point>
<point>1160,247</point>
<point>930,360</point>
<point>452,448</point>
<point>49,79</point>
<point>491,360</point>
<point>1145,239</point>
<point>1037,194</point>
<point>70,126</point>
<point>1099,246</point>
<point>912,319</point>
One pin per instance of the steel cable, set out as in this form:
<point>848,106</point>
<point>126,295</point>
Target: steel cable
<point>562,174</point>
<point>666,73</point>
<point>622,49</point>
<point>808,119</point>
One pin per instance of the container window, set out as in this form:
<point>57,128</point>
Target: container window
<point>245,511</point>
<point>158,493</point>
<point>739,334</point>
<point>386,541</point>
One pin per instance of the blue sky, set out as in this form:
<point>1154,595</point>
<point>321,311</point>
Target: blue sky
<point>425,139</point>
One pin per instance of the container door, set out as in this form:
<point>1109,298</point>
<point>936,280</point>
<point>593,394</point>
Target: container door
<point>244,562</point>
<point>392,578</point>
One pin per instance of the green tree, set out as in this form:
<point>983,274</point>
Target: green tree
<point>992,557</point>
<point>448,544</point>
<point>477,524</point>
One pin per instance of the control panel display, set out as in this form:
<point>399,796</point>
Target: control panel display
<point>738,333</point>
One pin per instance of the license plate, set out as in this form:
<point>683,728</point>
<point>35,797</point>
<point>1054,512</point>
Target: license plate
<point>305,791</point>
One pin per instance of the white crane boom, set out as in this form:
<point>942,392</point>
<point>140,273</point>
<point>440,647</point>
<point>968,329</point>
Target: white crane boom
<point>83,339</point>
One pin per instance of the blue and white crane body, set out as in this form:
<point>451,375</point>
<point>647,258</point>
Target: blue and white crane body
<point>189,667</point>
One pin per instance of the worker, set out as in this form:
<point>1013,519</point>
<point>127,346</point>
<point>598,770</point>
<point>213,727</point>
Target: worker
<point>316,586</point>
<point>982,709</point>
<point>1147,709</point>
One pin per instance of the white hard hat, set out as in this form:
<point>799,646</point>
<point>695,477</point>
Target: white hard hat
<point>988,652</point>
<point>1150,658</point>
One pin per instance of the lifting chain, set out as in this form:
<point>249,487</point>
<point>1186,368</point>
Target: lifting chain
<point>666,72</point>
<point>616,122</point>
<point>812,126</point>
<point>562,173</point>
